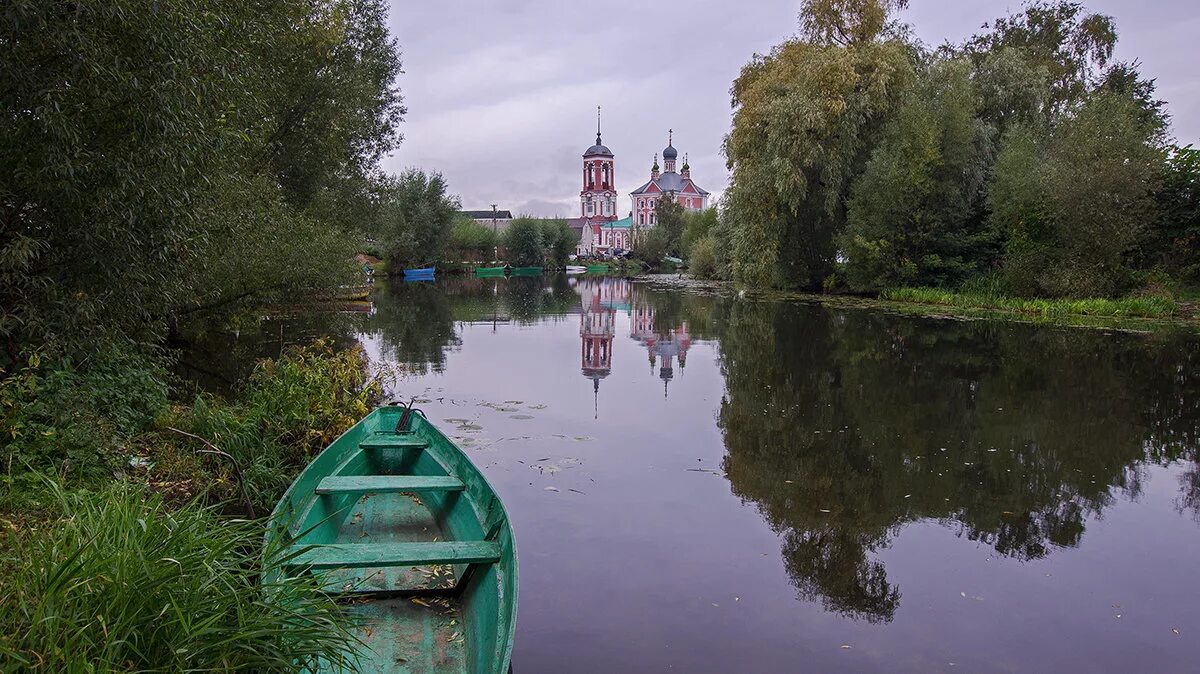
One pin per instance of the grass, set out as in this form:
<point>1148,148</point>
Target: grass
<point>1126,307</point>
<point>119,581</point>
<point>117,548</point>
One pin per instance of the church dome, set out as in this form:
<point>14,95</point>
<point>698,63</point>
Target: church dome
<point>670,152</point>
<point>598,150</point>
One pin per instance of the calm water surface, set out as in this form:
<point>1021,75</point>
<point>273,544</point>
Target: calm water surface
<point>705,484</point>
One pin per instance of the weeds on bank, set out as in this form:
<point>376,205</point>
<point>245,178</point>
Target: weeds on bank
<point>1139,307</point>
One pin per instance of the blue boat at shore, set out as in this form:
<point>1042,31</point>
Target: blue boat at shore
<point>422,274</point>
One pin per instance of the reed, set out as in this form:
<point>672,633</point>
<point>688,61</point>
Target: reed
<point>121,582</point>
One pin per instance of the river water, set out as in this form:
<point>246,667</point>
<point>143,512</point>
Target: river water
<point>702,483</point>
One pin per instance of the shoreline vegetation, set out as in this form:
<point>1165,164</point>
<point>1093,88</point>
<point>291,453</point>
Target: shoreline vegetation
<point>1130,313</point>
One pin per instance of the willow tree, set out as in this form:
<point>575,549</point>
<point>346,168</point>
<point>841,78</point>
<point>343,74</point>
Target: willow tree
<point>805,119</point>
<point>916,214</point>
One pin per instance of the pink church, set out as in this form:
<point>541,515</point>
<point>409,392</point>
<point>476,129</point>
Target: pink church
<point>667,185</point>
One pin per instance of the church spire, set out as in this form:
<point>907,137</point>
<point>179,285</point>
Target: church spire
<point>598,126</point>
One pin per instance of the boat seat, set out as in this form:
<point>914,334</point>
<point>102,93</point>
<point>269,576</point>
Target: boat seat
<point>389,440</point>
<point>388,484</point>
<point>374,555</point>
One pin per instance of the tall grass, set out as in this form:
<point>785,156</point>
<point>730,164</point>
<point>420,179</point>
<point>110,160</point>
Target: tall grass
<point>120,582</point>
<point>289,410</point>
<point>1136,307</point>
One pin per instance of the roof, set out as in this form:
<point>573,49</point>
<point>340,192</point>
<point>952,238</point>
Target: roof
<point>669,182</point>
<point>598,150</point>
<point>623,223</point>
<point>487,215</point>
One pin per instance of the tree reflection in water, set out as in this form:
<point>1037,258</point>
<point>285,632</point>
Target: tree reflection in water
<point>842,426</point>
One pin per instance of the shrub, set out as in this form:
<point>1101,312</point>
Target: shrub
<point>74,418</point>
<point>559,240</point>
<point>121,583</point>
<point>703,262</point>
<point>523,242</point>
<point>470,240</point>
<point>289,410</point>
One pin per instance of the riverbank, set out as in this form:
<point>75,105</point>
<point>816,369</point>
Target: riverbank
<point>150,500</point>
<point>1145,314</point>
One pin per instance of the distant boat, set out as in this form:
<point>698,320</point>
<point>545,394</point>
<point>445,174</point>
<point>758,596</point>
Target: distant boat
<point>597,268</point>
<point>422,274</point>
<point>489,271</point>
<point>526,271</point>
<point>398,521</point>
<point>576,269</point>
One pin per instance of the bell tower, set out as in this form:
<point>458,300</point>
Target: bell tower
<point>598,199</point>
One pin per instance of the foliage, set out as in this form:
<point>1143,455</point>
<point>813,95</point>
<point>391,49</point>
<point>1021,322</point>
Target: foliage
<point>1026,148</point>
<point>670,219</point>
<point>1074,202</point>
<point>152,157</point>
<point>120,582</point>
<point>1058,38</point>
<point>848,22</point>
<point>916,213</point>
<point>697,225</point>
<point>289,410</point>
<point>470,240</point>
<point>76,418</point>
<point>1141,307</point>
<point>805,119</point>
<point>1173,240</point>
<point>559,240</point>
<point>702,261</point>
<point>651,245</point>
<point>524,242</point>
<point>415,218</point>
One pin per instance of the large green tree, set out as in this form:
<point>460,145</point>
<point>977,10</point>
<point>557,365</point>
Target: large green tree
<point>415,217</point>
<point>915,215</point>
<point>1074,201</point>
<point>160,160</point>
<point>805,121</point>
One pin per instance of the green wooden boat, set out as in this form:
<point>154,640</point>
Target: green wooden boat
<point>597,268</point>
<point>489,271</point>
<point>526,271</point>
<point>395,517</point>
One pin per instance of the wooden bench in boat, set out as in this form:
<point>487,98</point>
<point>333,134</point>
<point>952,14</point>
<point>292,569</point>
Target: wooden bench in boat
<point>387,484</point>
<point>389,441</point>
<point>372,555</point>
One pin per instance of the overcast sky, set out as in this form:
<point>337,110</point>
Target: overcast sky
<point>502,94</point>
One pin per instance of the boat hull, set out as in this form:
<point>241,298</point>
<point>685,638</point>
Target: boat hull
<point>407,525</point>
<point>489,271</point>
<point>423,274</point>
<point>526,271</point>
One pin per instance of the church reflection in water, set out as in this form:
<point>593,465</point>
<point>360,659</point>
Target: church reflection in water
<point>602,299</point>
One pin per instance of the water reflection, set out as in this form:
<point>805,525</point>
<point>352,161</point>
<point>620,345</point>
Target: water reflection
<point>844,426</point>
<point>870,463</point>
